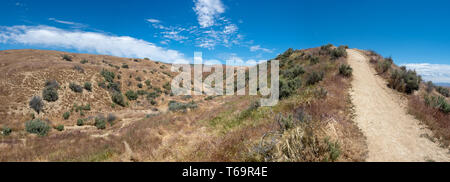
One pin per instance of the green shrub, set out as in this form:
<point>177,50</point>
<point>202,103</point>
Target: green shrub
<point>6,131</point>
<point>289,87</point>
<point>66,115</point>
<point>314,60</point>
<point>438,103</point>
<point>147,59</point>
<point>108,75</point>
<point>314,78</point>
<point>80,122</point>
<point>153,102</point>
<point>114,87</point>
<point>67,57</point>
<point>444,91</point>
<point>345,70</point>
<point>60,127</point>
<point>429,87</point>
<point>142,92</point>
<point>76,88</point>
<point>140,85</point>
<point>131,95</point>
<point>139,79</point>
<point>78,68</point>
<point>291,73</point>
<point>404,81</point>
<point>50,94</point>
<point>36,104</point>
<point>125,66</point>
<point>101,84</point>
<point>152,95</point>
<point>37,126</point>
<point>148,83</point>
<point>338,52</point>
<point>88,86</point>
<point>178,106</point>
<point>84,61</point>
<point>100,122</point>
<point>117,98</point>
<point>385,65</point>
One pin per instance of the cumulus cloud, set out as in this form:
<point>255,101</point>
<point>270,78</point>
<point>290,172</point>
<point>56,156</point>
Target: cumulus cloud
<point>438,73</point>
<point>259,48</point>
<point>91,42</point>
<point>207,11</point>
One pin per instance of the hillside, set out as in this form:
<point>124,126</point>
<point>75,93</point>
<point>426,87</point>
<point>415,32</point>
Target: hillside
<point>316,119</point>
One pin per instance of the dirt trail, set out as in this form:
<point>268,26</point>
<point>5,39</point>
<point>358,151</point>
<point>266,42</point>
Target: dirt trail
<point>392,134</point>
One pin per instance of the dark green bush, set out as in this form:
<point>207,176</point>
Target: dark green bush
<point>314,78</point>
<point>60,127</point>
<point>148,83</point>
<point>142,92</point>
<point>117,98</point>
<point>36,104</point>
<point>66,115</point>
<point>429,87</point>
<point>50,94</point>
<point>37,126</point>
<point>76,88</point>
<point>153,102</point>
<point>67,58</point>
<point>100,122</point>
<point>314,60</point>
<point>291,73</point>
<point>80,122</point>
<point>125,66</point>
<point>114,86</point>
<point>404,81</point>
<point>385,65</point>
<point>140,85</point>
<point>438,103</point>
<point>345,70</point>
<point>139,79</point>
<point>78,68</point>
<point>111,118</point>
<point>152,95</point>
<point>108,75</point>
<point>6,131</point>
<point>52,84</point>
<point>289,87</point>
<point>131,95</point>
<point>88,86</point>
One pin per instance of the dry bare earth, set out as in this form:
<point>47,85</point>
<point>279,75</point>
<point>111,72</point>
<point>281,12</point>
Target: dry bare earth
<point>392,134</point>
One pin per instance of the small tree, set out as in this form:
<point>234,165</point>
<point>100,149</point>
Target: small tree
<point>50,94</point>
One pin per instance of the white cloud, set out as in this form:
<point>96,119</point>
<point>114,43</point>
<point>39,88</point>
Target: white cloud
<point>207,11</point>
<point>91,42</point>
<point>438,73</point>
<point>153,20</point>
<point>258,48</point>
<point>74,24</point>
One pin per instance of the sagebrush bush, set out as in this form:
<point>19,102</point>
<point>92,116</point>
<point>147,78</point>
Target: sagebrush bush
<point>78,68</point>
<point>117,98</point>
<point>140,85</point>
<point>429,87</point>
<point>314,60</point>
<point>50,94</point>
<point>131,95</point>
<point>114,86</point>
<point>76,88</point>
<point>289,86</point>
<point>153,95</point>
<point>438,103</point>
<point>80,122</point>
<point>125,66</point>
<point>385,65</point>
<point>60,127</point>
<point>108,75</point>
<point>444,91</point>
<point>37,126</point>
<point>100,122</point>
<point>178,106</point>
<point>52,84</point>
<point>6,131</point>
<point>67,57</point>
<point>404,81</point>
<point>88,86</point>
<point>345,70</point>
<point>66,115</point>
<point>148,83</point>
<point>314,78</point>
<point>292,73</point>
<point>153,102</point>
<point>339,52</point>
<point>36,104</point>
<point>84,61</point>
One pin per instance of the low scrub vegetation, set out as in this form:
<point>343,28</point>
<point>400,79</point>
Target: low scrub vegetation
<point>384,65</point>
<point>50,92</point>
<point>345,70</point>
<point>75,87</point>
<point>66,115</point>
<point>60,127</point>
<point>100,122</point>
<point>178,106</point>
<point>131,95</point>
<point>37,126</point>
<point>314,78</point>
<point>403,80</point>
<point>438,102</point>
<point>117,98</point>
<point>67,58</point>
<point>6,131</point>
<point>443,91</point>
<point>88,86</point>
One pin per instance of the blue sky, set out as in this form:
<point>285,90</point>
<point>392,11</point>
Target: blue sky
<point>415,33</point>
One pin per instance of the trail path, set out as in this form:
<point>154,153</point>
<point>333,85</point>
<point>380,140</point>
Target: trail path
<point>392,134</point>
